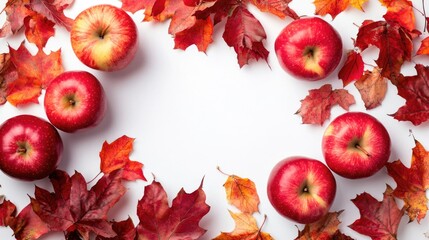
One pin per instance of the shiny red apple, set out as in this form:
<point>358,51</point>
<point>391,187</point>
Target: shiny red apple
<point>30,147</point>
<point>104,37</point>
<point>301,189</point>
<point>309,48</point>
<point>75,100</point>
<point>356,145</point>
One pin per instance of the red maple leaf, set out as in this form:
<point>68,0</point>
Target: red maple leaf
<point>393,40</point>
<point>125,230</point>
<point>116,155</point>
<point>415,91</point>
<point>245,34</point>
<point>279,8</point>
<point>316,106</point>
<point>180,221</point>
<point>378,220</point>
<point>413,182</point>
<point>75,210</point>
<point>352,68</point>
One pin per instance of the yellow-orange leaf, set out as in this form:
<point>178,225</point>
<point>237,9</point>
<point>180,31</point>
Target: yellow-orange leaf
<point>412,183</point>
<point>246,227</point>
<point>241,193</point>
<point>332,7</point>
<point>116,155</point>
<point>358,4</point>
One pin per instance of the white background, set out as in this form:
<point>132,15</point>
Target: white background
<point>191,112</point>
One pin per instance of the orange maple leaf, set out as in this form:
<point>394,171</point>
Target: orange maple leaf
<point>335,7</point>
<point>246,227</point>
<point>241,193</point>
<point>424,47</point>
<point>116,155</point>
<point>34,74</point>
<point>412,183</point>
<point>400,11</point>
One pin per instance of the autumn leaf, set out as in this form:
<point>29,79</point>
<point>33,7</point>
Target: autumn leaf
<point>124,230</point>
<point>400,11</point>
<point>159,221</point>
<point>412,183</point>
<point>74,209</point>
<point>378,220</point>
<point>8,74</point>
<point>245,34</point>
<point>352,68</point>
<point>246,227</point>
<point>316,106</point>
<point>279,8</point>
<point>331,7</point>
<point>324,229</point>
<point>16,11</point>
<point>34,74</point>
<point>54,11</point>
<point>415,91</point>
<point>7,211</point>
<point>116,155</point>
<point>27,225</point>
<point>200,35</point>
<point>241,193</point>
<point>424,47</point>
<point>393,41</point>
<point>372,88</point>
<point>38,29</point>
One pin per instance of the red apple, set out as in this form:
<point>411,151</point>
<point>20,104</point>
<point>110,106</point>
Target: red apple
<point>104,37</point>
<point>356,145</point>
<point>75,100</point>
<point>309,48</point>
<point>301,189</point>
<point>30,147</point>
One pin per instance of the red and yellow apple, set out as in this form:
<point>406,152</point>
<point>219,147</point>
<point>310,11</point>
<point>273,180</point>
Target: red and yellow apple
<point>309,48</point>
<point>75,100</point>
<point>301,189</point>
<point>104,37</point>
<point>356,145</point>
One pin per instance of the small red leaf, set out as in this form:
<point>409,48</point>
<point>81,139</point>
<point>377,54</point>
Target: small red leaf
<point>245,34</point>
<point>352,68</point>
<point>7,211</point>
<point>38,29</point>
<point>316,106</point>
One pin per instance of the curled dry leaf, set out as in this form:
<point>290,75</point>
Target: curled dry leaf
<point>316,106</point>
<point>242,193</point>
<point>415,91</point>
<point>246,227</point>
<point>116,155</point>
<point>372,88</point>
<point>412,183</point>
<point>378,219</point>
<point>159,221</point>
<point>38,29</point>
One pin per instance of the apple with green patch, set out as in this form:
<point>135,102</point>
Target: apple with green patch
<point>75,100</point>
<point>301,189</point>
<point>104,37</point>
<point>309,48</point>
<point>356,145</point>
<point>30,147</point>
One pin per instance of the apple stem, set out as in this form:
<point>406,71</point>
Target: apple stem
<point>72,102</point>
<point>21,150</point>
<point>362,149</point>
